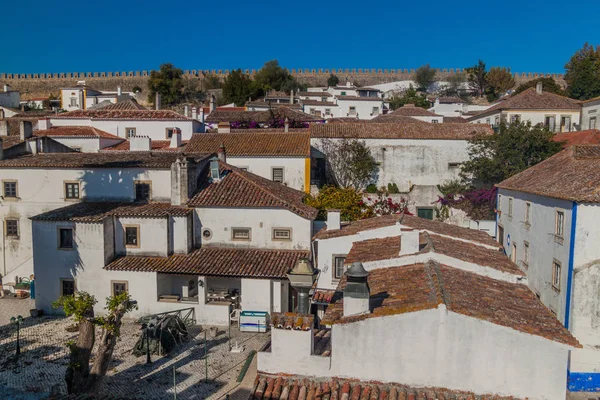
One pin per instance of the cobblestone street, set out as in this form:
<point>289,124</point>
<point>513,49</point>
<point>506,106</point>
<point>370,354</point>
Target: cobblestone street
<point>44,358</point>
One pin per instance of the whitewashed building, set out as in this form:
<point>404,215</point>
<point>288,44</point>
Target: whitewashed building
<point>410,111</point>
<point>415,295</point>
<point>548,223</point>
<point>82,97</point>
<point>590,113</point>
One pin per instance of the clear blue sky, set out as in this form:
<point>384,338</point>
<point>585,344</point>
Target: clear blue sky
<point>107,35</point>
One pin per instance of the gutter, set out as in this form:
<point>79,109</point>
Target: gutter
<point>571,259</point>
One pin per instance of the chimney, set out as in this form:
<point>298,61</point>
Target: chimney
<point>356,292</point>
<point>140,143</point>
<point>213,106</point>
<point>302,277</point>
<point>348,84</point>
<point>286,125</point>
<point>186,111</point>
<point>539,87</point>
<point>221,154</point>
<point>333,220</point>
<point>201,115</point>
<point>4,128</point>
<point>214,169</point>
<point>119,91</point>
<point>409,241</point>
<point>6,88</point>
<point>292,96</point>
<point>194,113</point>
<point>43,124</point>
<point>175,138</point>
<point>180,179</point>
<point>157,101</point>
<point>26,130</point>
<point>224,127</point>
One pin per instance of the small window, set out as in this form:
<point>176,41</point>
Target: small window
<point>10,189</point>
<point>73,102</point>
<point>312,111</point>
<point>513,255</point>
<point>282,234</point>
<point>525,254</point>
<point>119,287</point>
<point>129,132</point>
<point>510,206</point>
<point>12,228</point>
<point>71,190</point>
<point>338,266</point>
<point>277,175</point>
<point>352,110</point>
<point>65,238</point>
<point>240,233</point>
<point>426,213</point>
<point>560,224</point>
<point>323,99</point>
<point>343,93</point>
<point>67,287</point>
<point>243,168</point>
<point>453,165</point>
<point>142,191</point>
<point>488,121</point>
<point>592,124</point>
<point>132,234</point>
<point>528,213</point>
<point>206,233</point>
<point>497,120</point>
<point>550,122</point>
<point>328,111</point>
<point>375,111</point>
<point>169,132</point>
<point>76,148</point>
<point>434,121</point>
<point>515,118</point>
<point>556,268</point>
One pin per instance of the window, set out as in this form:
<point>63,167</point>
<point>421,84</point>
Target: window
<point>338,266</point>
<point>550,122</point>
<point>312,111</point>
<point>426,213</point>
<point>565,124</point>
<point>497,120</point>
<point>76,148</point>
<point>352,110</point>
<point>67,287</point>
<point>560,224</point>
<point>343,93</point>
<point>12,228</point>
<point>323,99</point>
<point>282,234</point>
<point>243,168</point>
<point>71,190</point>
<point>129,132</point>
<point>119,287</point>
<point>328,111</point>
<point>527,213</point>
<point>169,132</point>
<point>501,235</point>
<point>65,238</point>
<point>488,121</point>
<point>592,123</point>
<point>132,234</point>
<point>513,254</point>
<point>206,233</point>
<point>73,102</point>
<point>434,121</point>
<point>525,254</point>
<point>277,174</point>
<point>10,189</point>
<point>142,191</point>
<point>556,267</point>
<point>453,165</point>
<point>515,118</point>
<point>510,206</point>
<point>240,233</point>
<point>375,111</point>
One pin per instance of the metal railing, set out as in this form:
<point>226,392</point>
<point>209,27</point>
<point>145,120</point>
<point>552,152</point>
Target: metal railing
<point>187,315</point>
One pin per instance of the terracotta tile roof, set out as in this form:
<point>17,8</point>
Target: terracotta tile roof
<point>396,119</point>
<point>274,387</point>
<point>455,120</point>
<point>281,112</point>
<point>355,227</point>
<point>322,342</point>
<point>572,174</point>
<point>217,261</point>
<point>252,144</point>
<point>425,286</point>
<point>414,130</point>
<point>95,212</point>
<point>322,296</point>
<point>317,103</point>
<point>130,104</point>
<point>531,100</point>
<point>409,110</point>
<point>76,131</point>
<point>239,188</point>
<point>359,98</point>
<point>138,159</point>
<point>292,321</point>
<point>266,104</point>
<point>345,120</point>
<point>314,94</point>
<point>140,115</point>
<point>10,141</point>
<point>590,136</point>
<point>157,145</point>
<point>374,250</point>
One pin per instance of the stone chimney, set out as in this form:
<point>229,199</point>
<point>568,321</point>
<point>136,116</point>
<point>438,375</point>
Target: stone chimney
<point>194,113</point>
<point>539,88</point>
<point>140,143</point>
<point>348,84</point>
<point>26,130</point>
<point>213,104</point>
<point>286,125</point>
<point>224,127</point>
<point>175,138</point>
<point>180,181</point>
<point>186,111</point>
<point>334,221</point>
<point>157,104</point>
<point>221,154</point>
<point>4,128</point>
<point>119,91</point>
<point>43,124</point>
<point>6,87</point>
<point>409,241</point>
<point>356,292</point>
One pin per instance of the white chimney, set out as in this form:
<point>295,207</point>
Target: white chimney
<point>539,87</point>
<point>286,125</point>
<point>334,220</point>
<point>194,113</point>
<point>26,130</point>
<point>119,91</point>
<point>6,87</point>
<point>356,292</point>
<point>186,111</point>
<point>175,138</point>
<point>224,127</point>
<point>3,128</point>
<point>140,143</point>
<point>292,96</point>
<point>221,154</point>
<point>43,124</point>
<point>157,101</point>
<point>409,242</point>
<point>348,84</point>
<point>213,106</point>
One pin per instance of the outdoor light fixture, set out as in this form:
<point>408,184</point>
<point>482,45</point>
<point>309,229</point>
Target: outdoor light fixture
<point>302,277</point>
<point>17,321</point>
<point>145,329</point>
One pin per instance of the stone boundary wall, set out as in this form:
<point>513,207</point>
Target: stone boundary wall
<point>44,84</point>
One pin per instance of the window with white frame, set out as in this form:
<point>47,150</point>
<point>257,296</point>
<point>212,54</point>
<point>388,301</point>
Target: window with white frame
<point>11,228</point>
<point>129,132</point>
<point>556,271</point>
<point>352,110</point>
<point>434,121</point>
<point>277,174</point>
<point>510,206</point>
<point>282,234</point>
<point>559,229</point>
<point>338,265</point>
<point>328,111</point>
<point>592,123</point>
<point>496,120</point>
<point>375,111</point>
<point>240,233</point>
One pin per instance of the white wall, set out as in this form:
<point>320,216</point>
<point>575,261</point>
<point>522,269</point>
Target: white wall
<point>588,111</point>
<point>257,295</point>
<point>11,99</point>
<point>153,237</point>
<point>86,145</point>
<point>535,117</point>
<point>293,168</point>
<point>364,108</point>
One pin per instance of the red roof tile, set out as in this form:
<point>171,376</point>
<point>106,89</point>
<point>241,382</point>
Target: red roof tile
<point>281,112</point>
<point>252,144</point>
<point>355,227</point>
<point>157,145</point>
<point>455,120</point>
<point>323,296</point>
<point>292,321</point>
<point>76,131</point>
<point>140,115</point>
<point>130,104</point>
<point>410,110</point>
<point>217,261</point>
<point>414,130</point>
<point>568,139</point>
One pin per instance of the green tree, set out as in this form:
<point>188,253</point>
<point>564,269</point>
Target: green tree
<point>333,80</point>
<point>476,76</point>
<point>349,161</point>
<point>424,77</point>
<point>455,82</point>
<point>237,88</point>
<point>211,81</point>
<point>136,89</point>
<point>499,81</point>
<point>274,77</point>
<point>514,148</point>
<point>348,200</point>
<point>192,91</point>
<point>168,82</point>
<point>410,96</point>
<point>548,84</point>
<point>583,73</point>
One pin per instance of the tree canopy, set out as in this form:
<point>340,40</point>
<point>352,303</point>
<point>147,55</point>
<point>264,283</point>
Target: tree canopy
<point>237,88</point>
<point>350,162</point>
<point>273,77</point>
<point>424,77</point>
<point>548,84</point>
<point>410,96</point>
<point>499,81</point>
<point>514,148</point>
<point>477,77</point>
<point>168,82</point>
<point>583,73</point>
<point>333,80</point>
<point>455,82</point>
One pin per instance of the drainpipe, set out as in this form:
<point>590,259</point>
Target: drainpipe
<point>571,261</point>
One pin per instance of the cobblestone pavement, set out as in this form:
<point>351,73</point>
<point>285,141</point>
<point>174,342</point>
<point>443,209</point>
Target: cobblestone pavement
<point>44,359</point>
<point>11,307</point>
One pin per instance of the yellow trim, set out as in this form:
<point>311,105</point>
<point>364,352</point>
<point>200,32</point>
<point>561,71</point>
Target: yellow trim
<point>307,175</point>
<point>84,99</point>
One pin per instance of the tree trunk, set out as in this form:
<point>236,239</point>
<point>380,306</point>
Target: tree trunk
<point>78,371</point>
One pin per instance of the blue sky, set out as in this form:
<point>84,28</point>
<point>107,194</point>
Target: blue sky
<point>86,36</point>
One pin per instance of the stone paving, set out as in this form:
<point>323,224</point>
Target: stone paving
<point>44,359</point>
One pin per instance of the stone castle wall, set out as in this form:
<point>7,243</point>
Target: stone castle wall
<point>33,85</point>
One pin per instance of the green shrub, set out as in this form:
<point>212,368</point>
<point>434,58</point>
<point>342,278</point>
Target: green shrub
<point>372,188</point>
<point>393,188</point>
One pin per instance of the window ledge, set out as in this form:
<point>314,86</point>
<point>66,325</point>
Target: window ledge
<point>527,225</point>
<point>559,239</point>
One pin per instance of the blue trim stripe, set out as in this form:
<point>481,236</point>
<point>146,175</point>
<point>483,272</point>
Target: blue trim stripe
<point>583,381</point>
<point>571,257</point>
